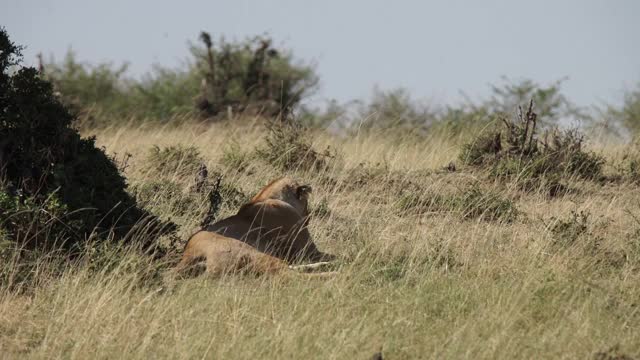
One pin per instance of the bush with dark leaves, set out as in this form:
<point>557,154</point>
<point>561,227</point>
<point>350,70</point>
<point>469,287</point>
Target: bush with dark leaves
<point>55,186</point>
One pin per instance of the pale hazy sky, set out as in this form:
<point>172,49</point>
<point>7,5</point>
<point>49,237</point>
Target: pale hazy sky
<point>433,48</point>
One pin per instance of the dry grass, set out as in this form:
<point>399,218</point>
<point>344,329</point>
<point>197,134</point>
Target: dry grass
<point>415,285</point>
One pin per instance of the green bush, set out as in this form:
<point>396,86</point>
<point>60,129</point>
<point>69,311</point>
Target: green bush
<point>515,152</point>
<point>628,167</point>
<point>486,205</point>
<point>287,147</point>
<point>482,149</point>
<point>552,105</point>
<point>567,231</point>
<point>63,188</point>
<point>396,111</point>
<point>39,223</point>
<point>181,186</point>
<point>463,119</point>
<point>166,197</point>
<point>250,75</point>
<point>83,86</point>
<point>235,158</point>
<point>628,115</point>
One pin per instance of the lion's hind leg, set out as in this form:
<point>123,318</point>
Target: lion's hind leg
<point>190,266</point>
<point>234,256</point>
<point>259,263</point>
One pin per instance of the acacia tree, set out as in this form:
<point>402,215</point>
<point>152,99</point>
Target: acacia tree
<point>250,73</point>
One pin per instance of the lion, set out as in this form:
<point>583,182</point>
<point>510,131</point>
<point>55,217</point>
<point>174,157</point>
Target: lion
<point>267,233</point>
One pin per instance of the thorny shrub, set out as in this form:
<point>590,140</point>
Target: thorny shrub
<point>516,152</point>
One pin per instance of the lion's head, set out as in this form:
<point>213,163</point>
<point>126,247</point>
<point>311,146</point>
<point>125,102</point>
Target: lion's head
<point>289,191</point>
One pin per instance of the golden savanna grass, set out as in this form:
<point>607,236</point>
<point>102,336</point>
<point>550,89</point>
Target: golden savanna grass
<point>430,284</point>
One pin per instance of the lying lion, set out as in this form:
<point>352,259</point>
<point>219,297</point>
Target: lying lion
<point>266,234</point>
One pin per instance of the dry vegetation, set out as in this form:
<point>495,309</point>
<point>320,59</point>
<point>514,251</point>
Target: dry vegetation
<point>435,262</point>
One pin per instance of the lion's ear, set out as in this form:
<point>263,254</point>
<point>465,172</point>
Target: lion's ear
<point>302,191</point>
